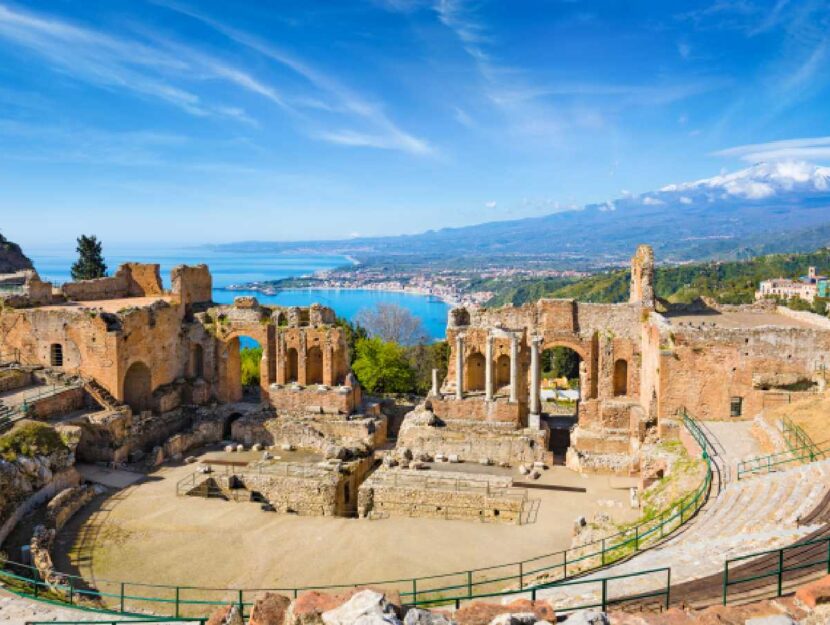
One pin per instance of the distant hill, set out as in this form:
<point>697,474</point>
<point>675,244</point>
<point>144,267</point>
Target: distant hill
<point>769,207</point>
<point>12,258</point>
<point>726,282</point>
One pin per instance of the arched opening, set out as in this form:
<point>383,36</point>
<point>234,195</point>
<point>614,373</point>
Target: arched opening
<point>197,361</point>
<point>56,355</point>
<point>474,372</point>
<point>138,387</point>
<point>314,366</point>
<point>292,368</point>
<point>620,377</point>
<point>560,394</point>
<point>227,426</point>
<point>502,371</point>
<point>250,358</point>
<point>282,319</point>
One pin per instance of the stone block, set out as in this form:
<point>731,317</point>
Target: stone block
<point>269,609</point>
<point>814,593</point>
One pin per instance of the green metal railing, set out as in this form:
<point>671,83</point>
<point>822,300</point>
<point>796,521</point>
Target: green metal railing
<point>767,464</point>
<point>602,590</point>
<point>143,621</point>
<point>771,566</point>
<point>796,438</point>
<point>549,568</point>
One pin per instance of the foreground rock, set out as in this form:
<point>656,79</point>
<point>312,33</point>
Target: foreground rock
<point>367,607</point>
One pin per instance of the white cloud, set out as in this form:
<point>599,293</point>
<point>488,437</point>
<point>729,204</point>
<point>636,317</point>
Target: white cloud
<point>652,201</point>
<point>787,149</point>
<point>490,204</point>
<point>685,200</point>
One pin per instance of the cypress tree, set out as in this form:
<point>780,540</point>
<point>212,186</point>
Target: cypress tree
<point>90,263</point>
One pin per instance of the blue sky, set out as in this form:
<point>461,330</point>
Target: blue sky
<point>186,122</point>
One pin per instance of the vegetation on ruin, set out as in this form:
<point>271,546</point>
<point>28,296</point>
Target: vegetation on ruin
<point>726,282</point>
<point>30,439</point>
<point>90,263</point>
<point>250,358</point>
<point>383,367</point>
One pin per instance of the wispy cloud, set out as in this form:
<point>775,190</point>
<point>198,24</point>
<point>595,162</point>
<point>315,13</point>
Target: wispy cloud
<point>787,149</point>
<point>121,63</point>
<point>330,94</point>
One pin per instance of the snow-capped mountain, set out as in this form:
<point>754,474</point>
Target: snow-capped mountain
<point>760,181</point>
<point>769,207</point>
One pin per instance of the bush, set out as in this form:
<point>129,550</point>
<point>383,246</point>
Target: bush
<point>383,367</point>
<point>250,358</point>
<point>30,439</point>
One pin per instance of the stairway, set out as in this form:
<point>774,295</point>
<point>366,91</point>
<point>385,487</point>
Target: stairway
<point>101,395</point>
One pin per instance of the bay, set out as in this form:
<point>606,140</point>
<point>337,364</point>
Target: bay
<point>235,268</point>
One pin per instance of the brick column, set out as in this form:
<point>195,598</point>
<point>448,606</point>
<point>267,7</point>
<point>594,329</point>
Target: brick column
<point>488,369</point>
<point>459,367</point>
<point>514,368</point>
<point>534,420</point>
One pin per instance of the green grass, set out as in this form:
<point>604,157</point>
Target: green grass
<point>30,439</point>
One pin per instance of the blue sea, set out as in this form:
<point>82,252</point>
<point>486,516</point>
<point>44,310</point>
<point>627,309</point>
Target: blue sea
<point>234,268</point>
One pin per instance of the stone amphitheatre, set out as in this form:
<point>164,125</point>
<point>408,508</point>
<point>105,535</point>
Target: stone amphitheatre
<point>679,479</point>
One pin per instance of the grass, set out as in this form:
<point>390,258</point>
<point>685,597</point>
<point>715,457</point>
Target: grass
<point>30,439</point>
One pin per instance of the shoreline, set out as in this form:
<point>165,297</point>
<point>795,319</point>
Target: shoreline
<point>416,292</point>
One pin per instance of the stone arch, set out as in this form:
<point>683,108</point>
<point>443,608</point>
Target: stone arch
<point>502,373</point>
<point>620,377</point>
<point>314,365</point>
<point>474,372</point>
<point>587,352</point>
<point>292,365</point>
<point>138,387</point>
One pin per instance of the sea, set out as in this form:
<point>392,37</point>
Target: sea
<point>230,268</point>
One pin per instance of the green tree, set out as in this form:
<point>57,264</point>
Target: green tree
<point>423,359</point>
<point>560,362</point>
<point>90,263</point>
<point>353,333</point>
<point>383,367</point>
<point>250,358</point>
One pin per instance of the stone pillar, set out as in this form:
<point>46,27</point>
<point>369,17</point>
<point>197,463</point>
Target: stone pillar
<point>459,367</point>
<point>514,368</point>
<point>434,391</point>
<point>488,369</point>
<point>534,419</point>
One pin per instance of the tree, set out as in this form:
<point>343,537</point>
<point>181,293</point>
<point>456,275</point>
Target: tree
<point>382,367</point>
<point>423,359</point>
<point>561,362</point>
<point>353,333</point>
<point>250,357</point>
<point>392,323</point>
<point>90,263</point>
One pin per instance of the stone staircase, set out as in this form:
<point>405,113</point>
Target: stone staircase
<point>6,415</point>
<point>101,395</point>
<point>748,516</point>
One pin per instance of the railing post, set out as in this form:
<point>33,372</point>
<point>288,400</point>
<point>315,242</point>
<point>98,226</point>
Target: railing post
<point>780,571</point>
<point>469,584</point>
<point>604,594</point>
<point>636,538</point>
<point>522,571</point>
<point>725,580</point>
<point>414,591</point>
<point>828,556</point>
<point>241,604</point>
<point>668,588</point>
<point>177,602</point>
<point>603,553</point>
<point>565,573</point>
<point>121,604</point>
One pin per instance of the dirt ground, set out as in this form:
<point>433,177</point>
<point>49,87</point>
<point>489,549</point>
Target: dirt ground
<point>812,414</point>
<point>144,532</point>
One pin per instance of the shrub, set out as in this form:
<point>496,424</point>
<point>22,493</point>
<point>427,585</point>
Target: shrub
<point>30,439</point>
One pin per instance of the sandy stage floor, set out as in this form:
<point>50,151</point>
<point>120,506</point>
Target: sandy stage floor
<point>145,532</point>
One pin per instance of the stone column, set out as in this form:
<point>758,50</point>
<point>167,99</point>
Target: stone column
<point>488,369</point>
<point>514,368</point>
<point>434,391</point>
<point>459,367</point>
<point>534,419</point>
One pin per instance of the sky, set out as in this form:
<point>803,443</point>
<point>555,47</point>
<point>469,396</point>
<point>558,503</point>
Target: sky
<point>176,122</point>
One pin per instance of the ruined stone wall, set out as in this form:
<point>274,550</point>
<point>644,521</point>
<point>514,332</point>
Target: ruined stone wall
<point>193,284</point>
<point>317,399</point>
<point>702,369</point>
<point>476,409</point>
<point>441,495</point>
<point>88,339</point>
<point>143,279</point>
<point>11,379</point>
<point>131,280</point>
<point>301,489</point>
<point>58,404</point>
<point>316,432</point>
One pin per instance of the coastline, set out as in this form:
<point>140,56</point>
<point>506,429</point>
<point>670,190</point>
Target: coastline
<point>452,302</point>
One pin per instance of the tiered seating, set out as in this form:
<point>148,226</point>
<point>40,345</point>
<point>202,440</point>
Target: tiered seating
<point>752,515</point>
